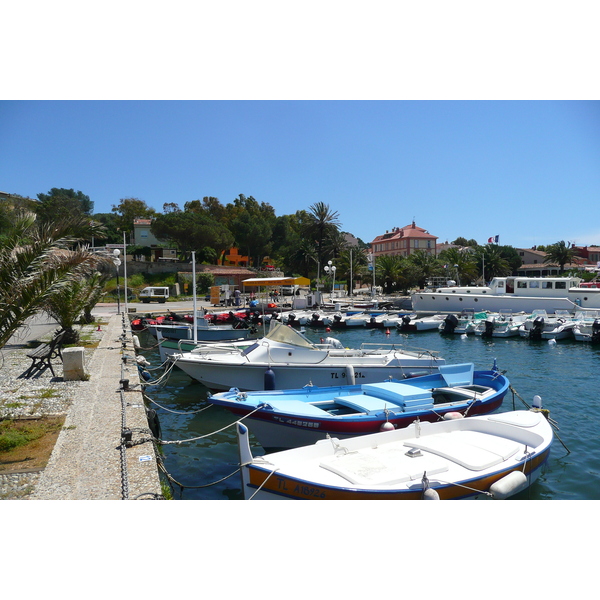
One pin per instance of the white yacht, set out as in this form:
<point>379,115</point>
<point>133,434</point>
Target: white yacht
<point>520,294</point>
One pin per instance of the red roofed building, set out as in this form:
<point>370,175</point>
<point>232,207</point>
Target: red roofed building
<point>404,241</point>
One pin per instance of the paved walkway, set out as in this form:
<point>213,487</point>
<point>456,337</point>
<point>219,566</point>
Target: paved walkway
<point>89,461</point>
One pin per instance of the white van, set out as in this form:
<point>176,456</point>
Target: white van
<point>160,294</point>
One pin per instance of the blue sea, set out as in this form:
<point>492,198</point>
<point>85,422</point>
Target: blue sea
<point>565,375</point>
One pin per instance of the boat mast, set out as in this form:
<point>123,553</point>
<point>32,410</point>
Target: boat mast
<point>195,326</point>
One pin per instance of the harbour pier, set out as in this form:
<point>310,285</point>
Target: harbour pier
<point>104,450</point>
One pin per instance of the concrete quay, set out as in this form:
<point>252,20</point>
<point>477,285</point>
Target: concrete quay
<point>103,451</point>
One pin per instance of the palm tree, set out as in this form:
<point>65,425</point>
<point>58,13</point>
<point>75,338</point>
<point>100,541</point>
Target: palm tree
<point>460,264</point>
<point>388,270</point>
<point>352,264</point>
<point>560,254</point>
<point>490,262</point>
<point>37,262</point>
<point>427,264</point>
<point>321,220</point>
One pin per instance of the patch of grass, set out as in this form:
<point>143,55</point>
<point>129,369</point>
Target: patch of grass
<point>20,432</point>
<point>13,404</point>
<point>27,443</point>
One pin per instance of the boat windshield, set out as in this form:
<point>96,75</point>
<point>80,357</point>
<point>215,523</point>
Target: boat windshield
<point>285,334</point>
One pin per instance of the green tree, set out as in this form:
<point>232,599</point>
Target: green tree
<point>62,204</point>
<point>427,265</point>
<point>459,264</point>
<point>388,271</point>
<point>193,231</point>
<point>320,225</point>
<point>560,254</point>
<point>36,262</point>
<point>352,265</point>
<point>129,209</point>
<point>74,301</point>
<point>490,262</point>
<point>251,224</point>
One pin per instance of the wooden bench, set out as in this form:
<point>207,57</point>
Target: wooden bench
<point>42,355</point>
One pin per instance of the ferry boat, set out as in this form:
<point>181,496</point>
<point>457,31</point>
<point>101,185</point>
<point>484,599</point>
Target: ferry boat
<point>519,294</point>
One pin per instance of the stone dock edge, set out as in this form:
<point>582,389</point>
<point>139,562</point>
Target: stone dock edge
<point>105,449</point>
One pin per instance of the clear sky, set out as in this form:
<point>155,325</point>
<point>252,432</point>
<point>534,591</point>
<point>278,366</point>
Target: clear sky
<point>528,171</point>
<point>458,115</point>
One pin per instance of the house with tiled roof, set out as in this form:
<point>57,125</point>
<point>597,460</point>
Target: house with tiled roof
<point>404,241</point>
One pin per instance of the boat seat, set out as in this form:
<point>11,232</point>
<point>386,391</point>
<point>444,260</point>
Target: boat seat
<point>382,466</point>
<point>457,375</point>
<point>473,450</point>
<point>400,394</point>
<point>297,407</point>
<point>366,403</point>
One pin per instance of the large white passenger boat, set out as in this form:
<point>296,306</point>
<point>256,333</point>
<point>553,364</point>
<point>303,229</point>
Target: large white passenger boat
<point>520,294</point>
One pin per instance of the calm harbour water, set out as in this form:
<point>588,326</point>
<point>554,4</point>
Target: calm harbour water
<point>564,374</point>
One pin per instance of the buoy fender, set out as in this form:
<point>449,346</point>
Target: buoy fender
<point>509,485</point>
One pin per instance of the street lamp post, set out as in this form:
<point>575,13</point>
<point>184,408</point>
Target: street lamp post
<point>329,268</point>
<point>117,263</point>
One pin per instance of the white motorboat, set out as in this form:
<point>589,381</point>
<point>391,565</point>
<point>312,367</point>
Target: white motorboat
<point>493,456</point>
<point>563,328</point>
<point>414,323</point>
<point>587,329</point>
<point>205,331</point>
<point>286,359</point>
<point>539,322</point>
<point>503,324</point>
<point>464,323</point>
<point>520,294</point>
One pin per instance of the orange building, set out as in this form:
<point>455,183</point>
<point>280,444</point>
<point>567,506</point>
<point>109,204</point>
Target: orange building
<point>404,241</point>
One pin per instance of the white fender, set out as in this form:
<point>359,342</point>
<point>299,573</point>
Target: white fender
<point>509,485</point>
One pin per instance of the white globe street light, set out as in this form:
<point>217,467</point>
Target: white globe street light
<point>117,263</point>
<point>329,268</point>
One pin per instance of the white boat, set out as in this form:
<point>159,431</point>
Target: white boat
<point>539,322</point>
<point>494,456</point>
<point>502,325</point>
<point>587,328</point>
<point>205,331</point>
<point>168,347</point>
<point>286,359</point>
<point>414,323</point>
<point>520,294</point>
<point>462,324</point>
<point>563,328</point>
<point>357,319</point>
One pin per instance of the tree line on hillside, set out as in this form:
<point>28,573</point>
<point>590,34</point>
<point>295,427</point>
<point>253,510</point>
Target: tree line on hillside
<point>46,263</point>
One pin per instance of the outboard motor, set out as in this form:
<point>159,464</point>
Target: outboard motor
<point>535,333</point>
<point>406,326</point>
<point>488,332</point>
<point>596,332</point>
<point>315,318</point>
<point>450,323</point>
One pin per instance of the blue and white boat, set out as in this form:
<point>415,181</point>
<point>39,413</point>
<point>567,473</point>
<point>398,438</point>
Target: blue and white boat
<point>297,417</point>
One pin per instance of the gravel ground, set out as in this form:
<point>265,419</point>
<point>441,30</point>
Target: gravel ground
<point>88,461</point>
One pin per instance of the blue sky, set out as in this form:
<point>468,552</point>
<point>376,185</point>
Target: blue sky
<point>528,171</point>
<point>473,119</point>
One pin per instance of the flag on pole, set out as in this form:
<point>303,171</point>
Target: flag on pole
<point>494,240</point>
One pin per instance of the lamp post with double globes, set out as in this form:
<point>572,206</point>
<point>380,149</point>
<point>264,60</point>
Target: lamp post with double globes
<point>117,263</point>
<point>329,268</point>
